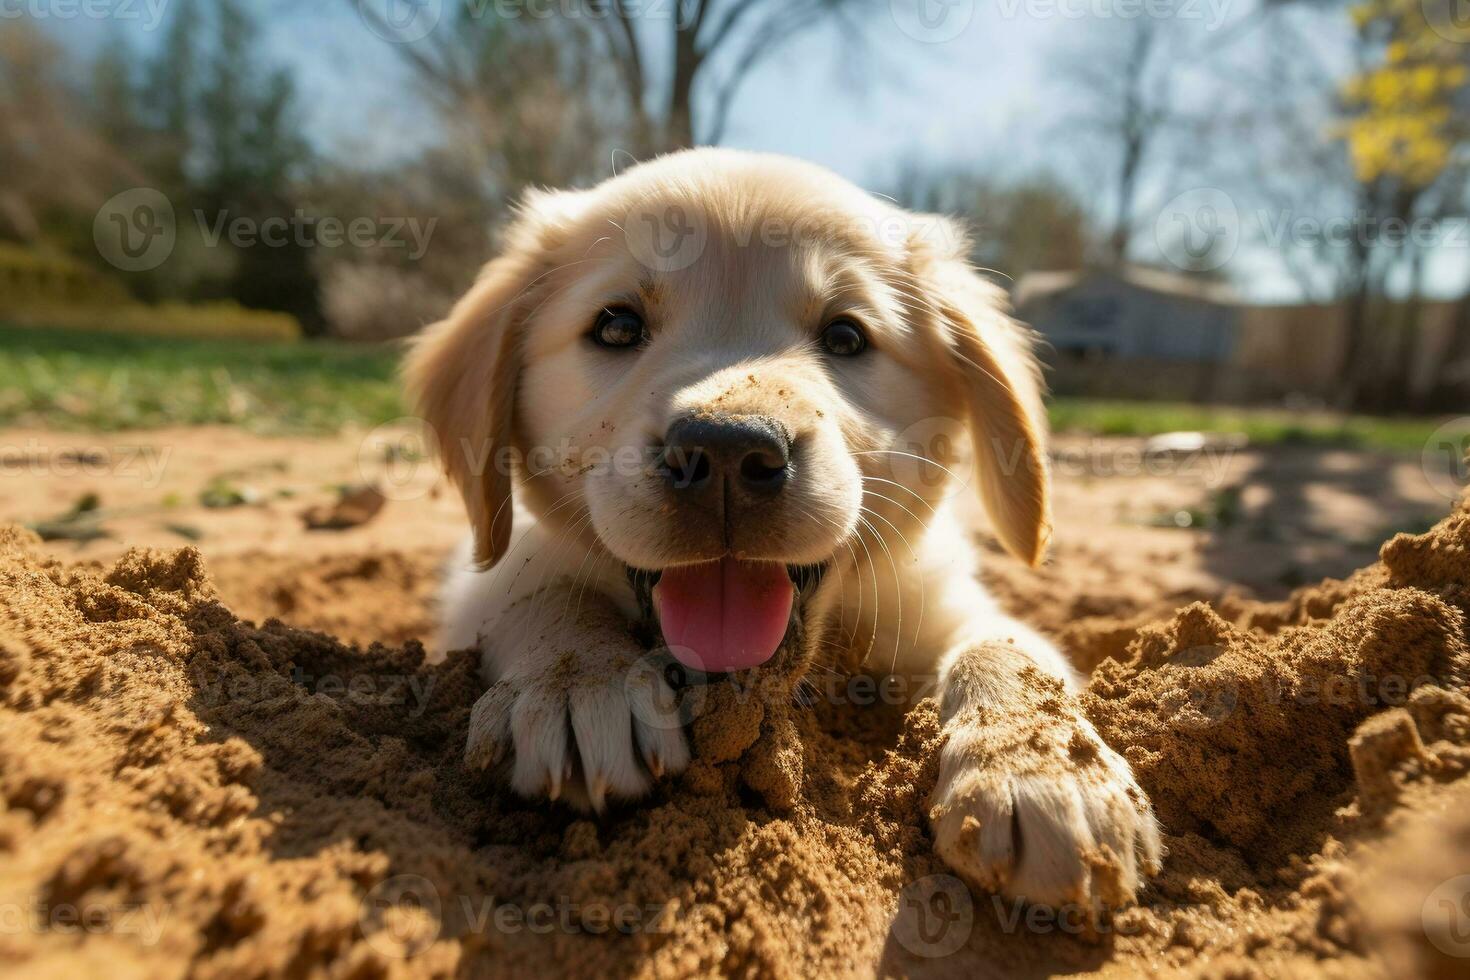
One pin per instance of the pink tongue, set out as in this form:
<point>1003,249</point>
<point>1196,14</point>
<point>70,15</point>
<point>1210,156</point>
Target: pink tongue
<point>724,615</point>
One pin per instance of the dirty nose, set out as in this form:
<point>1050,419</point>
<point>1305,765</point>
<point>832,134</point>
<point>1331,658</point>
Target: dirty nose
<point>744,452</point>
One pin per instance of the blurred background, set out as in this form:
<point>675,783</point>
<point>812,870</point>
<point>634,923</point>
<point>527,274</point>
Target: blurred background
<point>1242,228</point>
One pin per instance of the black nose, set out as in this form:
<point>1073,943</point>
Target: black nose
<point>749,452</point>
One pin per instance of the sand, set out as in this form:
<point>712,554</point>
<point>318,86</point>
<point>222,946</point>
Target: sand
<point>183,792</point>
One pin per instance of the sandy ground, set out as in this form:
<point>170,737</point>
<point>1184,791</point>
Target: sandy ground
<point>1303,514</point>
<point>227,797</point>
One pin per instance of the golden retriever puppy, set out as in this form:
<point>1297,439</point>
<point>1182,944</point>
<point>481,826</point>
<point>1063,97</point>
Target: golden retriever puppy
<point>728,392</point>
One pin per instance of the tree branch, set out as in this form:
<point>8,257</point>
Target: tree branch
<point>765,42</point>
<point>629,57</point>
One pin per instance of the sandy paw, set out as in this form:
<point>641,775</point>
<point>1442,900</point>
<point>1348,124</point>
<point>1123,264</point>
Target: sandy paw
<point>583,732</point>
<point>1050,816</point>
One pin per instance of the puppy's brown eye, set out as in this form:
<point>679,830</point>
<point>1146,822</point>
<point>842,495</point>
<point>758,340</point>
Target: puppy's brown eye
<point>844,338</point>
<point>619,328</point>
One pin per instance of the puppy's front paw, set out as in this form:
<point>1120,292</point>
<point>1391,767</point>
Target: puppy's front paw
<point>582,728</point>
<point>1037,807</point>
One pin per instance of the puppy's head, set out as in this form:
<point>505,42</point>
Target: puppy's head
<point>703,368</point>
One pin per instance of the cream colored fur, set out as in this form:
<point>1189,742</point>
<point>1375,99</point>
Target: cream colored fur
<point>760,252</point>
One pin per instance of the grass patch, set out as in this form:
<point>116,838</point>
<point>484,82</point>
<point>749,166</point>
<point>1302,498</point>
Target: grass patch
<point>1263,426</point>
<point>106,382</point>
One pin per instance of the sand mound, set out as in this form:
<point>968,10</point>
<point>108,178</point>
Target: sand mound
<point>184,791</point>
<point>363,599</point>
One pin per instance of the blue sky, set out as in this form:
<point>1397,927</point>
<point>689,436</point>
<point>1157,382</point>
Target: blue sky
<point>976,87</point>
<point>973,98</point>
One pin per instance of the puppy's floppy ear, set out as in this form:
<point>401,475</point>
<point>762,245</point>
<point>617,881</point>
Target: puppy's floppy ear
<point>461,374</point>
<point>990,357</point>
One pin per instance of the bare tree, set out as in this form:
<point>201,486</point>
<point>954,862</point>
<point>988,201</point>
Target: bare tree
<point>710,46</point>
<point>51,158</point>
<point>521,100</point>
<point>1027,225</point>
<point>1277,141</point>
<point>1119,86</point>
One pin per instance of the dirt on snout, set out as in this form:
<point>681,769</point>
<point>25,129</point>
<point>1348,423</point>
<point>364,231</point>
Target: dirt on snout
<point>187,793</point>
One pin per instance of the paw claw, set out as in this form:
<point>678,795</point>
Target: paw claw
<point>1044,830</point>
<point>597,794</point>
<point>580,740</point>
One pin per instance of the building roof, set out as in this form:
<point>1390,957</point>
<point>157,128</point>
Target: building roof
<point>1035,285</point>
